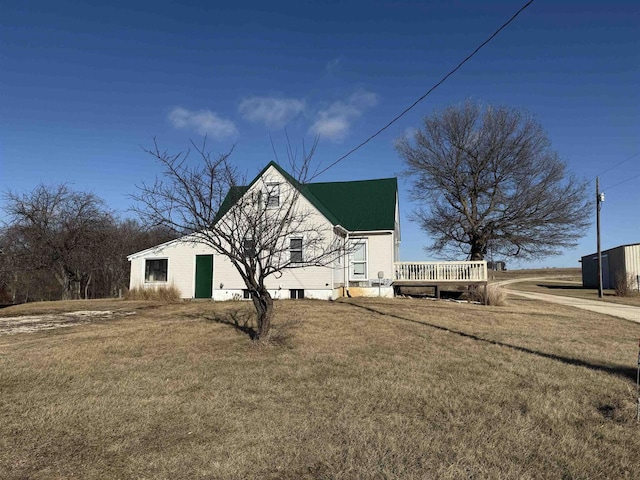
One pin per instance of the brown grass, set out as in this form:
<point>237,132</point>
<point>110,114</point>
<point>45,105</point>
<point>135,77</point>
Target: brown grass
<point>370,388</point>
<point>565,273</point>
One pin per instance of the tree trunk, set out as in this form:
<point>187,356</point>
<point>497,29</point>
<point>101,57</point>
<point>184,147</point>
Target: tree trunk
<point>64,279</point>
<point>476,253</point>
<point>264,310</point>
<point>86,287</point>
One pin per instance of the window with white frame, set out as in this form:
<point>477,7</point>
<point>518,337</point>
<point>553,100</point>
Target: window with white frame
<point>358,262</point>
<point>295,250</point>
<point>273,194</point>
<point>155,269</point>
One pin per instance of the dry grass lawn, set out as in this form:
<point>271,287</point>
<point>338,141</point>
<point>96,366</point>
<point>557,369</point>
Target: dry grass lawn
<point>370,388</point>
<point>565,273</point>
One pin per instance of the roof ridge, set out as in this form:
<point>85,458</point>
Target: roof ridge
<point>354,181</point>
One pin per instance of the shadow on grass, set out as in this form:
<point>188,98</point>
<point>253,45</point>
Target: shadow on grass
<point>241,321</point>
<point>563,287</point>
<point>576,288</point>
<point>628,373</point>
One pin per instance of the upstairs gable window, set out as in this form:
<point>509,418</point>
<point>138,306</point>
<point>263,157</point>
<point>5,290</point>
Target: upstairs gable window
<point>273,195</point>
<point>249,247</point>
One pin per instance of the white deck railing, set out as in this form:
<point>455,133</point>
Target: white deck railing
<point>473,271</point>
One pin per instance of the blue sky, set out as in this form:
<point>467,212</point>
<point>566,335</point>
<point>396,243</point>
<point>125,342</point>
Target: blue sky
<point>83,86</point>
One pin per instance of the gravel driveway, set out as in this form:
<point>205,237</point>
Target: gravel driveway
<point>626,312</point>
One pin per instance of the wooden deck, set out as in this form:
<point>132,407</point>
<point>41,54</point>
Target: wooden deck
<point>430,273</point>
<point>439,274</point>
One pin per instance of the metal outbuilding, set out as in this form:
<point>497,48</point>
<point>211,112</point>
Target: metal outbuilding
<point>617,263</point>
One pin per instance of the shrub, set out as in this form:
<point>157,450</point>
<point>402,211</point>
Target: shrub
<point>624,285</point>
<point>495,295</point>
<point>164,294</point>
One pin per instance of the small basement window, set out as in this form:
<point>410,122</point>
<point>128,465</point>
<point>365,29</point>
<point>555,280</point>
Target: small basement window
<point>155,270</point>
<point>296,293</point>
<point>246,294</point>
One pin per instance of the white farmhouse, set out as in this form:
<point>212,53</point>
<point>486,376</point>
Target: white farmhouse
<point>364,214</point>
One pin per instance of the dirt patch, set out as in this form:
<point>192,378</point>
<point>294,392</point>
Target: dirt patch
<point>35,323</point>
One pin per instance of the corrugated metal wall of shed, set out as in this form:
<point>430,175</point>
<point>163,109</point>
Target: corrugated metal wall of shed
<point>616,270</point>
<point>590,271</point>
<point>616,263</point>
<point>632,263</point>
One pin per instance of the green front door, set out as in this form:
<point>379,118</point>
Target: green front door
<point>204,276</point>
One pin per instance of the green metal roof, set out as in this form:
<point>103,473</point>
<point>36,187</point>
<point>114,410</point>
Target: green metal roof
<point>234,194</point>
<point>361,205</point>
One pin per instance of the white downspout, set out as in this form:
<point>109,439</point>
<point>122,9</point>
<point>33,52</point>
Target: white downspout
<point>345,235</point>
<point>345,290</point>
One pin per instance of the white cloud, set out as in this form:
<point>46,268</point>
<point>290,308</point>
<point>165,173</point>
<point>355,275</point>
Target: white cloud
<point>273,112</point>
<point>205,122</point>
<point>334,121</point>
<point>363,99</point>
<point>333,128</point>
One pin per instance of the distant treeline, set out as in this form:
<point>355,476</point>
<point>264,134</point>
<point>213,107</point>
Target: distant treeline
<point>59,243</point>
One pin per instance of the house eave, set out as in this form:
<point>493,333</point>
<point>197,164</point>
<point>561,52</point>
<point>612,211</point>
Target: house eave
<point>142,253</point>
<point>362,232</point>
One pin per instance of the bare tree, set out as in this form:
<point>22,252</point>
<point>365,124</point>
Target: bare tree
<point>488,178</point>
<point>252,225</point>
<point>60,243</point>
<point>55,232</point>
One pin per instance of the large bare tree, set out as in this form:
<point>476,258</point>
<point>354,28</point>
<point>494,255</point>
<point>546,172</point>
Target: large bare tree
<point>488,178</point>
<point>209,202</point>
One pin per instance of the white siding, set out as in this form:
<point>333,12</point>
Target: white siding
<point>380,253</point>
<point>227,281</point>
<point>180,270</point>
<point>381,248</point>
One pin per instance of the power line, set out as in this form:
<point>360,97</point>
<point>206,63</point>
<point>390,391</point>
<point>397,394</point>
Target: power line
<point>614,166</point>
<point>623,181</point>
<point>442,80</point>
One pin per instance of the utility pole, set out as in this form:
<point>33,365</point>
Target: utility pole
<point>599,200</point>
